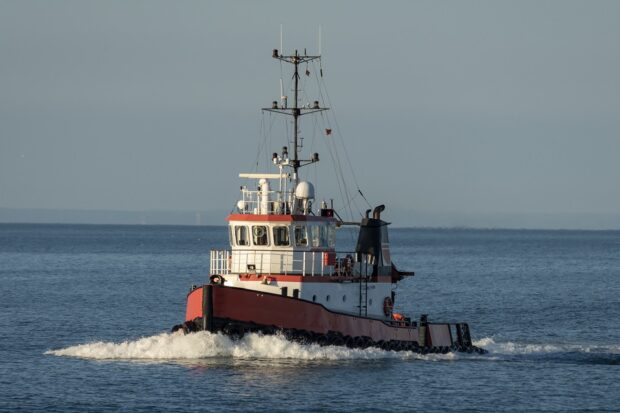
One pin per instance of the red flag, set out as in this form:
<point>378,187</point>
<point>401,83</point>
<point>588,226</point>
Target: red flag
<point>328,131</point>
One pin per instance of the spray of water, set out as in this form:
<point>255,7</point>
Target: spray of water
<point>200,345</point>
<point>204,345</point>
<point>511,348</point>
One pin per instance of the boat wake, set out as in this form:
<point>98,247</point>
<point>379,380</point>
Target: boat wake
<point>509,348</point>
<point>200,345</point>
<point>562,353</point>
<point>205,345</point>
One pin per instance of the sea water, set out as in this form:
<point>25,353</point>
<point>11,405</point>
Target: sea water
<point>85,313</point>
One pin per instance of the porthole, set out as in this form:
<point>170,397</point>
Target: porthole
<point>314,298</point>
<point>327,298</point>
<point>344,298</point>
<point>370,301</point>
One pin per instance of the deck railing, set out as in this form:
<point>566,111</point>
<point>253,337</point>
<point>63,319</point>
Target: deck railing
<point>306,263</point>
<point>220,262</point>
<point>252,202</point>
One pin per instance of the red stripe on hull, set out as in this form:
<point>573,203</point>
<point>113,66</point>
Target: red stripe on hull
<point>284,312</point>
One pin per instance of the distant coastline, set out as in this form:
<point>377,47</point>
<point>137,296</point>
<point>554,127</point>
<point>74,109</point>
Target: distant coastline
<point>111,217</point>
<point>398,218</point>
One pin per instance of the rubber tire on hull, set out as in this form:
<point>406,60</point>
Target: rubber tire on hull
<point>289,334</point>
<point>349,342</point>
<point>305,337</point>
<point>322,341</point>
<point>335,340</point>
<point>359,342</point>
<point>234,331</point>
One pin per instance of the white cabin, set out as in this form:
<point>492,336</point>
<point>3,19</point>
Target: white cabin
<point>280,246</point>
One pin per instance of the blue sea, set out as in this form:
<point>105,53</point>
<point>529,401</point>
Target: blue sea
<point>85,314</point>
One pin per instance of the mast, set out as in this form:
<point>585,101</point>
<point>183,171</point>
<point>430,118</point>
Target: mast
<point>295,115</point>
<point>296,111</point>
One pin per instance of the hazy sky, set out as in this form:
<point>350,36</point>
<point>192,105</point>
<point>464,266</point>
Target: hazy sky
<point>465,107</point>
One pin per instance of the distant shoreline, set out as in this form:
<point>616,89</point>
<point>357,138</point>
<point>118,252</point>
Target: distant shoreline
<point>395,228</point>
<point>399,219</point>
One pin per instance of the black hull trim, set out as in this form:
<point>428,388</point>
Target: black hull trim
<point>236,330</point>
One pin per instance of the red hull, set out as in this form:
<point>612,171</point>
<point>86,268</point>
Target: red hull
<point>248,307</point>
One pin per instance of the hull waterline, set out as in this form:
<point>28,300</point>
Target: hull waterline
<point>236,312</point>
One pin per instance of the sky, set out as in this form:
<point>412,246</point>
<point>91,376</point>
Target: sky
<point>452,113</point>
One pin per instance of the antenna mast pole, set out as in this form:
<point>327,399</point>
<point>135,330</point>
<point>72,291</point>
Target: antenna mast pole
<point>295,115</point>
<point>296,111</point>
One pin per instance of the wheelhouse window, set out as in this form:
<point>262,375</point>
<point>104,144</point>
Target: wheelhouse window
<point>323,236</point>
<point>280,237</point>
<point>301,236</point>
<point>241,235</point>
<point>259,235</point>
<point>315,233</point>
<point>331,236</point>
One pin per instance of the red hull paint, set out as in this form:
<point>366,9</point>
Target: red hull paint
<point>194,304</point>
<point>250,306</point>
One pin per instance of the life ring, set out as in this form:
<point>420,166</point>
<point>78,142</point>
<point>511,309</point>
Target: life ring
<point>258,231</point>
<point>217,279</point>
<point>398,317</point>
<point>388,306</point>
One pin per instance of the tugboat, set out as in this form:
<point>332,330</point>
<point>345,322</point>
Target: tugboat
<point>283,274</point>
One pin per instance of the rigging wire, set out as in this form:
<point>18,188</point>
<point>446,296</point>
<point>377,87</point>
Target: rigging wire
<point>338,181</point>
<point>339,165</point>
<point>349,198</point>
<point>315,128</point>
<point>339,175</point>
<point>323,87</point>
<point>344,192</point>
<point>262,141</point>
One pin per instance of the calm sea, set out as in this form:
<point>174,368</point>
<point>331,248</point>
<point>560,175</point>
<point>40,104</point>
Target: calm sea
<point>85,313</point>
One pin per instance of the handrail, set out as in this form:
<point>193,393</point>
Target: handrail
<point>305,263</point>
<point>276,201</point>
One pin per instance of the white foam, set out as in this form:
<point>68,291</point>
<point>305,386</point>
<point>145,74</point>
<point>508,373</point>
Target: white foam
<point>177,346</point>
<point>511,348</point>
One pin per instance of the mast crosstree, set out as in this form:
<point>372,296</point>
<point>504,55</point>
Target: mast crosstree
<point>296,111</point>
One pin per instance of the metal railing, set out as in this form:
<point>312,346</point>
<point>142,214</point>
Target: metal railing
<point>219,262</point>
<point>306,263</point>
<point>253,203</point>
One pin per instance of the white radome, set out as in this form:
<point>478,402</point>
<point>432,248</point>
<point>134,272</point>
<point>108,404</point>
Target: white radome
<point>304,190</point>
